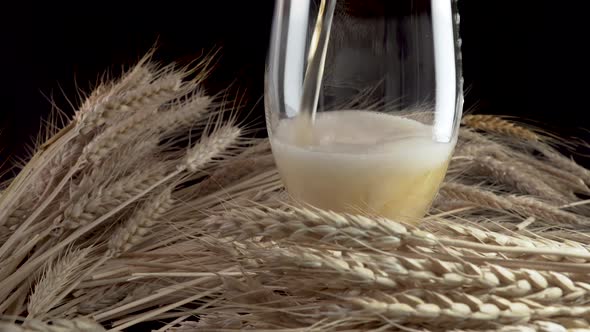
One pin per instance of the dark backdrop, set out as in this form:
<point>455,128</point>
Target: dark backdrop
<point>522,58</point>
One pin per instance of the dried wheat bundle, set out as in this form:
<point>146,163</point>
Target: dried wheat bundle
<point>153,206</point>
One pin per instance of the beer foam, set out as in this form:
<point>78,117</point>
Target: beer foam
<point>359,136</point>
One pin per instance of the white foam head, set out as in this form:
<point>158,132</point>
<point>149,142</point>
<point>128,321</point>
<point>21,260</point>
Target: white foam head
<point>358,136</point>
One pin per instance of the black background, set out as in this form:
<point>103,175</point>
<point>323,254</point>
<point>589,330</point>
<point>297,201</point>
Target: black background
<point>521,58</point>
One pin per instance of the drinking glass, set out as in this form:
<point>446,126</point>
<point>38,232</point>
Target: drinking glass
<point>363,101</point>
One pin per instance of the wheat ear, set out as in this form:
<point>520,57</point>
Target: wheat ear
<point>56,276</point>
<point>480,234</point>
<point>341,270</point>
<point>351,231</point>
<point>458,310</point>
<point>512,174</point>
<point>571,181</point>
<point>90,206</point>
<point>139,224</point>
<point>210,147</point>
<point>536,326</point>
<point>498,125</point>
<point>186,115</point>
<point>115,136</point>
<point>91,115</point>
<point>562,162</point>
<point>522,205</point>
<point>53,169</point>
<point>107,104</point>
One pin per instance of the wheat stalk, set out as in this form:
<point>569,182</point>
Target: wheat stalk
<point>231,173</point>
<point>54,168</point>
<point>102,297</point>
<point>58,325</point>
<point>28,177</point>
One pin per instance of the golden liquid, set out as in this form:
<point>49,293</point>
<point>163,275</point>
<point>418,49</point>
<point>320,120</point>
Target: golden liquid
<point>359,161</point>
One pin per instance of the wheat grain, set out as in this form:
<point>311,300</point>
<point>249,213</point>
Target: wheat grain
<point>342,270</point>
<point>513,175</point>
<point>479,197</point>
<point>570,180</point>
<point>498,125</point>
<point>140,75</point>
<point>186,115</point>
<point>350,231</point>
<point>138,154</point>
<point>210,146</point>
<point>479,149</point>
<point>115,136</point>
<point>484,235</point>
<point>518,170</point>
<point>309,225</point>
<point>524,206</point>
<point>56,276</point>
<point>534,326</point>
<point>106,106</point>
<point>95,203</point>
<point>92,114</point>
<point>546,212</point>
<point>459,310</point>
<point>354,311</point>
<point>561,162</point>
<point>564,189</point>
<point>139,224</point>
<point>160,91</point>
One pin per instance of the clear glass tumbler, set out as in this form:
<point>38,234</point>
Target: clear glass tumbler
<point>363,101</point>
